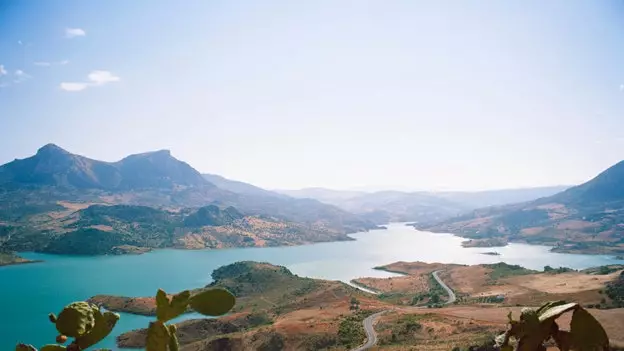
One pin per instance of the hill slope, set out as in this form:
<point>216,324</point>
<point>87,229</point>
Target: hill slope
<point>119,229</point>
<point>587,218</point>
<point>35,185</point>
<point>397,206</point>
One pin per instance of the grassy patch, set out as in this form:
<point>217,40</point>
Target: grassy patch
<point>351,331</point>
<point>502,270</point>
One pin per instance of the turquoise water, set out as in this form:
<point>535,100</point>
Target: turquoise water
<point>29,292</point>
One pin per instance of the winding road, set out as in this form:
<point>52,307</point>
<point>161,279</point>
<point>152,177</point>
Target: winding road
<point>371,335</point>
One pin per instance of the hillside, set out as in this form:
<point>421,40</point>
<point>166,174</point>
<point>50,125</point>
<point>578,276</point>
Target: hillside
<point>583,219</point>
<point>278,310</point>
<point>500,284</point>
<point>119,229</point>
<point>273,306</point>
<point>397,206</point>
<point>39,195</point>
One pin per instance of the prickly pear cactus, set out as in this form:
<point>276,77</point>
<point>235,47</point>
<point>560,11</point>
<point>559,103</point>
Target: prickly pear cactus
<point>167,310</point>
<point>535,327</point>
<point>82,321</point>
<point>76,319</point>
<point>104,324</point>
<point>88,325</point>
<point>157,337</point>
<point>213,302</point>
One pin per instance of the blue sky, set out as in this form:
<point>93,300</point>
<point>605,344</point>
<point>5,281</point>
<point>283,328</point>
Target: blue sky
<point>285,94</point>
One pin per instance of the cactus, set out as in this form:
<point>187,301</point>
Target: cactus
<point>76,319</point>
<point>537,326</point>
<point>88,325</point>
<point>82,321</point>
<point>212,302</point>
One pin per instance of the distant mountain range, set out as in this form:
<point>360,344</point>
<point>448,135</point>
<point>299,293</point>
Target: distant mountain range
<point>397,206</point>
<point>588,218</point>
<point>43,196</point>
<point>47,202</point>
<point>149,179</point>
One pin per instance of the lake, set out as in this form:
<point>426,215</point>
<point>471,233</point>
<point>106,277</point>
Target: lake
<point>29,292</point>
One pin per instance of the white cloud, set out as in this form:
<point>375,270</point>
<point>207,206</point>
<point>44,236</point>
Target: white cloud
<point>2,70</point>
<point>74,32</point>
<point>20,76</point>
<point>95,78</point>
<point>48,64</point>
<point>102,77</point>
<point>74,86</point>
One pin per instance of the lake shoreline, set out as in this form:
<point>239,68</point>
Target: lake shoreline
<point>384,227</point>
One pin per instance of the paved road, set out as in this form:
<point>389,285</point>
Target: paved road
<point>371,335</point>
<point>449,292</point>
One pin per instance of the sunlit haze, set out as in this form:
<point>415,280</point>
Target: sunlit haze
<point>414,95</point>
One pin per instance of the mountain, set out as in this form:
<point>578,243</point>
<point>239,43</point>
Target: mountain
<point>118,229</point>
<point>583,219</point>
<point>54,184</point>
<point>238,187</point>
<point>323,194</point>
<point>398,206</point>
<point>486,198</point>
<point>54,166</point>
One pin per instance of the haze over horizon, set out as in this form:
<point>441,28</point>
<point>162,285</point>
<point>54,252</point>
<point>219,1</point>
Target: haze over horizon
<point>445,95</point>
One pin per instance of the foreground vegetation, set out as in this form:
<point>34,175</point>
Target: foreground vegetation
<point>88,325</point>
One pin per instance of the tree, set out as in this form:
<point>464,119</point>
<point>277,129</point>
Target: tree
<point>435,298</point>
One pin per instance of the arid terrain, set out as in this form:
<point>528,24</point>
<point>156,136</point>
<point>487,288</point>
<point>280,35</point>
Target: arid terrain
<point>277,310</point>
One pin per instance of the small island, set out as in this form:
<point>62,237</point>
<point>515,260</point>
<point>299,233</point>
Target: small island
<point>10,258</point>
<point>486,242</point>
<point>620,257</point>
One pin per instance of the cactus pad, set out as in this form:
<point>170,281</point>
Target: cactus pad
<point>76,319</point>
<point>157,337</point>
<point>586,332</point>
<point>173,340</point>
<point>213,302</point>
<point>104,324</point>
<point>166,310</point>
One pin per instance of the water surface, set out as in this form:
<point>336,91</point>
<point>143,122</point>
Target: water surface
<point>29,292</point>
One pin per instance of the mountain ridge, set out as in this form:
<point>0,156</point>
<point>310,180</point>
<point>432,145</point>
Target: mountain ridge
<point>55,166</point>
<point>586,218</point>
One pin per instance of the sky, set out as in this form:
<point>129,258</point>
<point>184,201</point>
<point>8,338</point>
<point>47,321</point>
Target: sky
<point>410,95</point>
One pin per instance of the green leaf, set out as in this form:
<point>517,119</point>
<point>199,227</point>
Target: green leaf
<point>157,337</point>
<point>557,311</point>
<point>53,347</point>
<point>213,302</point>
<point>166,310</point>
<point>587,334</point>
